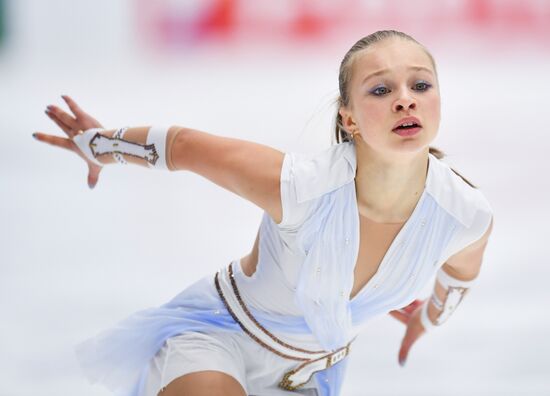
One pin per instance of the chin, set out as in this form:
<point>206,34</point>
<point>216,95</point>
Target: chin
<point>399,145</point>
<point>422,137</point>
<point>413,145</point>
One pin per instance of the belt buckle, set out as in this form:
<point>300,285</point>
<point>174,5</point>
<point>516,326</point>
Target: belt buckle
<point>338,355</point>
<point>331,359</point>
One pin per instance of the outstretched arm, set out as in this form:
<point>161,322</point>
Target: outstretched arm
<point>248,169</point>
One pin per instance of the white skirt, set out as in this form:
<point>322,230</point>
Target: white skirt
<point>193,332</point>
<point>257,369</point>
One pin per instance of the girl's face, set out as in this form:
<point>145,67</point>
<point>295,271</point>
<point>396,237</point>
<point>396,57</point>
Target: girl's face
<point>391,80</point>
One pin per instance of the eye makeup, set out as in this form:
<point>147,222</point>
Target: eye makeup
<point>382,89</point>
<point>376,90</point>
<point>425,83</point>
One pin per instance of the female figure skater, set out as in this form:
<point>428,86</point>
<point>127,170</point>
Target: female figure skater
<point>349,233</point>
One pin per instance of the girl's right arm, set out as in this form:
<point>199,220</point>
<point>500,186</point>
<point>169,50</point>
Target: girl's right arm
<point>248,169</point>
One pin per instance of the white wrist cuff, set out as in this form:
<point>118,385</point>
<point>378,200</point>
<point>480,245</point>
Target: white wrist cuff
<point>447,280</point>
<point>119,134</point>
<point>456,289</point>
<point>157,137</point>
<point>83,140</point>
<point>92,144</point>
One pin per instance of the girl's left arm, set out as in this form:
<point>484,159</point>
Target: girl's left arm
<point>466,264</point>
<point>459,269</point>
<point>453,281</point>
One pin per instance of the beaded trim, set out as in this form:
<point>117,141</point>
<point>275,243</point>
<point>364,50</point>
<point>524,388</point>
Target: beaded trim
<point>437,302</point>
<point>118,135</point>
<point>150,148</point>
<point>462,290</point>
<point>253,319</point>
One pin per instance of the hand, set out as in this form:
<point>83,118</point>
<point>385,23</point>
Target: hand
<point>72,125</point>
<point>410,316</point>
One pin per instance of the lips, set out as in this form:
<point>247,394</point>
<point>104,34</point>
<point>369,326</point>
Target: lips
<point>407,120</point>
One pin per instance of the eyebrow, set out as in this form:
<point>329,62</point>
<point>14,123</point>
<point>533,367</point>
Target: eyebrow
<point>384,71</point>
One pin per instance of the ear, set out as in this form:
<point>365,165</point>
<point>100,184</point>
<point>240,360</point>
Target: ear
<point>347,119</point>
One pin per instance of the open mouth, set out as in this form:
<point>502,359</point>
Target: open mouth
<point>407,125</point>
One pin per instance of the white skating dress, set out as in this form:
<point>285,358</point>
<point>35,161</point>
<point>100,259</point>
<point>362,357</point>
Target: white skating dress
<point>300,290</point>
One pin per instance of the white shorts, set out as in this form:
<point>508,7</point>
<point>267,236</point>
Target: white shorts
<point>257,369</point>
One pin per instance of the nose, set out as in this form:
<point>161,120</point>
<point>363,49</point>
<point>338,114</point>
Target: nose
<point>405,101</point>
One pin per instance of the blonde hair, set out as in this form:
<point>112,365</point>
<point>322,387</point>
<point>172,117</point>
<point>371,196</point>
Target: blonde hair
<point>344,78</point>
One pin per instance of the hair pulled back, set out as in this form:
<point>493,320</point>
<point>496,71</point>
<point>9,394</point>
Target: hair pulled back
<point>345,75</point>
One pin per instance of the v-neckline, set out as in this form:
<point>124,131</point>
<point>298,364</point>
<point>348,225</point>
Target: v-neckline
<point>395,240</point>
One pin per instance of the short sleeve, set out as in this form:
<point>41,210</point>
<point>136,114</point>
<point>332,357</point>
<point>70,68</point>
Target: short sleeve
<point>294,212</point>
<point>467,205</point>
<point>480,225</point>
<point>306,177</point>
<point>477,228</point>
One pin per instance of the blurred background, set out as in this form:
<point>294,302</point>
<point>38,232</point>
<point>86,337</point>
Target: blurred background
<point>75,261</point>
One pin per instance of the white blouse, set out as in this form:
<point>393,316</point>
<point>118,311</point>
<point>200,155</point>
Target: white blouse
<point>306,263</point>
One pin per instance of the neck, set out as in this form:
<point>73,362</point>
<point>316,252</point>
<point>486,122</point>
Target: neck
<point>388,189</point>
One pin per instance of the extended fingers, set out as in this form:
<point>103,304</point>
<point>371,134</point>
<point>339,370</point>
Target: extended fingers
<point>93,175</point>
<point>77,111</point>
<point>411,336</point>
<point>83,119</point>
<point>406,344</point>
<point>413,332</point>
<point>67,123</point>
<point>55,140</point>
<point>403,353</point>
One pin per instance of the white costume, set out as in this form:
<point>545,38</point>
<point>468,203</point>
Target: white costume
<point>300,290</point>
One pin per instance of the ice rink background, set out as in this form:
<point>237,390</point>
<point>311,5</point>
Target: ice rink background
<point>75,261</point>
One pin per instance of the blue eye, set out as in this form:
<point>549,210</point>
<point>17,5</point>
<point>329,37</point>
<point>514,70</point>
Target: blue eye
<point>422,86</point>
<point>377,91</point>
